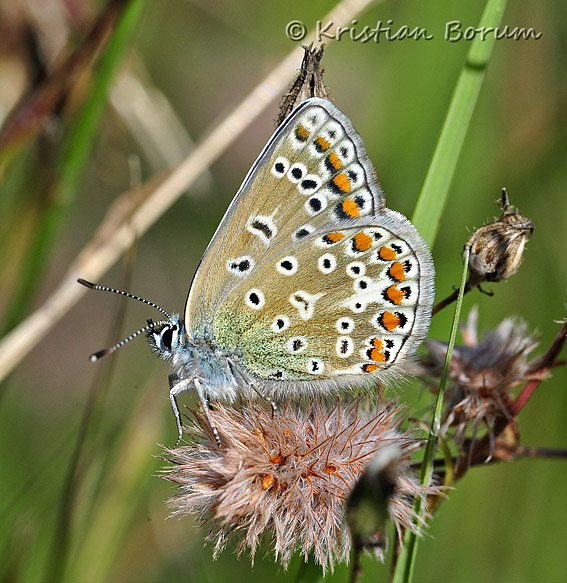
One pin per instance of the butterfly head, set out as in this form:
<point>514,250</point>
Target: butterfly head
<point>166,337</point>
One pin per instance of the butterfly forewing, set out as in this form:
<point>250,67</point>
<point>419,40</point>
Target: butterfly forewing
<point>313,174</point>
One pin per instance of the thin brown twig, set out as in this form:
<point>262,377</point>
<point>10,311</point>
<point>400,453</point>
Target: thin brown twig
<point>471,284</point>
<point>539,452</point>
<point>449,300</point>
<point>515,453</point>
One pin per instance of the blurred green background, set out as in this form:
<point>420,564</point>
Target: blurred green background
<point>501,523</point>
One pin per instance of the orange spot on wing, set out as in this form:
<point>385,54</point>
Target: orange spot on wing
<point>302,133</point>
<point>333,237</point>
<point>323,143</point>
<point>377,343</point>
<point>342,182</point>
<point>390,321</point>
<point>350,208</point>
<point>362,242</point>
<point>370,367</point>
<point>397,271</point>
<point>377,355</point>
<point>387,254</point>
<point>395,295</point>
<point>335,161</point>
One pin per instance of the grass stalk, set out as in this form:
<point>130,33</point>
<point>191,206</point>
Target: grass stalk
<point>406,561</point>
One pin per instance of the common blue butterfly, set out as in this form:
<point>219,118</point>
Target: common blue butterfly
<point>310,284</point>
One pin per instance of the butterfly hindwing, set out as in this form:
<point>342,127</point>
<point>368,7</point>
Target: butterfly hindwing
<point>339,303</point>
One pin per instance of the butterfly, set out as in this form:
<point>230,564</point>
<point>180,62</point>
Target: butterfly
<point>310,285</point>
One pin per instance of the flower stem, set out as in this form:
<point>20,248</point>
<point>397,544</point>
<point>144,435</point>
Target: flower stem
<point>406,561</point>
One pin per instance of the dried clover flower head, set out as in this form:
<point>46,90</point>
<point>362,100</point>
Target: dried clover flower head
<point>497,249</point>
<point>483,373</point>
<point>285,478</point>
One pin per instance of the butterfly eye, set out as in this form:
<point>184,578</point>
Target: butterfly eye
<point>166,337</point>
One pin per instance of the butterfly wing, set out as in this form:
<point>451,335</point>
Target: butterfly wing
<point>313,173</point>
<point>331,307</point>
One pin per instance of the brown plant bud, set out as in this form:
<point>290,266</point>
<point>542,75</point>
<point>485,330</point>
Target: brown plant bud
<point>497,249</point>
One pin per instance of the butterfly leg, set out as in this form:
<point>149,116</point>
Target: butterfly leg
<point>176,389</point>
<point>236,373</point>
<point>269,400</point>
<point>272,403</point>
<point>204,401</point>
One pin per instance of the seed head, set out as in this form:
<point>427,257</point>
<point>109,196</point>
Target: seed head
<point>285,478</point>
<point>483,373</point>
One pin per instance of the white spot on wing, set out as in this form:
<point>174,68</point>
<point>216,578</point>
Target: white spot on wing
<point>315,366</point>
<point>280,323</point>
<point>240,266</point>
<point>255,299</point>
<point>309,184</point>
<point>304,302</point>
<point>297,172</point>
<point>302,232</point>
<point>316,204</point>
<point>297,344</point>
<point>356,269</point>
<point>345,325</point>
<point>344,346</point>
<point>280,167</point>
<point>262,227</point>
<point>327,263</point>
<point>288,265</point>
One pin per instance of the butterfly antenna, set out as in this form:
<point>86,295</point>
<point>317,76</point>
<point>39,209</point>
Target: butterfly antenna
<point>94,357</point>
<point>123,293</point>
<point>149,326</point>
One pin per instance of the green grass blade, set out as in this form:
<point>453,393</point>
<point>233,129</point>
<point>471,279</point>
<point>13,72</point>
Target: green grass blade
<point>441,171</point>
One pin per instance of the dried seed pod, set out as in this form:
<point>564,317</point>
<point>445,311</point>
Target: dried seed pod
<point>309,82</point>
<point>497,249</point>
